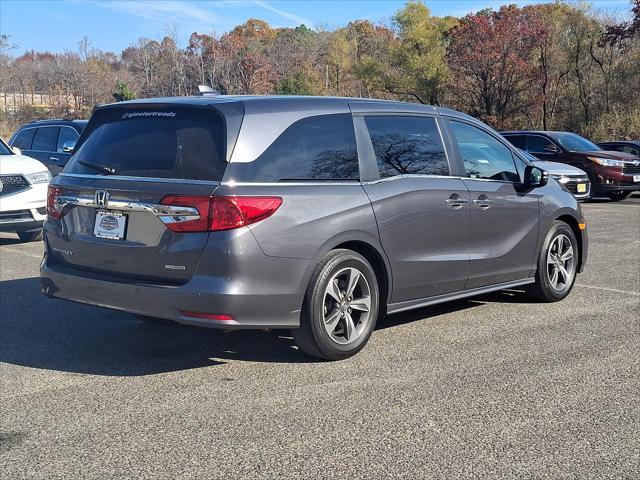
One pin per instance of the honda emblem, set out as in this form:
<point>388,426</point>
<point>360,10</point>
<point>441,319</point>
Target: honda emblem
<point>102,198</point>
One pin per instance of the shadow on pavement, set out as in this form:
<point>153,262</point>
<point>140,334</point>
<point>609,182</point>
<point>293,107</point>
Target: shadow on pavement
<point>38,332</point>
<point>6,240</point>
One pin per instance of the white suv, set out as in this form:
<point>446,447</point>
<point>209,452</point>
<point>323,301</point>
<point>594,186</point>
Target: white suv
<point>23,194</point>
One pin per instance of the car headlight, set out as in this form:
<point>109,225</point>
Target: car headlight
<point>607,162</point>
<point>39,177</point>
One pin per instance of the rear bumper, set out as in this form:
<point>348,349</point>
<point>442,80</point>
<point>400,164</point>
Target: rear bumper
<point>21,220</point>
<point>267,307</point>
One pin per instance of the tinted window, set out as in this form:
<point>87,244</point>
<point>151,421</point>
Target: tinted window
<point>45,139</point>
<point>24,138</point>
<point>407,145</point>
<point>169,142</point>
<point>67,134</point>
<point>630,149</point>
<point>538,144</point>
<point>574,142</point>
<point>483,155</point>
<point>517,141</point>
<point>321,147</point>
<point>4,148</point>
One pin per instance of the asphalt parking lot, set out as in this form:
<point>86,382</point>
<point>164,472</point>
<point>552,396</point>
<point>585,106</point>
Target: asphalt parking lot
<point>492,387</point>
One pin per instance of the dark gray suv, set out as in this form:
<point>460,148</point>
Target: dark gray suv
<point>312,214</point>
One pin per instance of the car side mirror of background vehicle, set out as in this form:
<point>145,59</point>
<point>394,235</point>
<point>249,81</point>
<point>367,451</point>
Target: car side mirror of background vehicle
<point>68,146</point>
<point>535,177</point>
<point>551,148</point>
<point>16,150</point>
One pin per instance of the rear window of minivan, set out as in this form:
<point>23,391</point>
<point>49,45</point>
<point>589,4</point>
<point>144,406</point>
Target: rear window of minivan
<point>163,142</point>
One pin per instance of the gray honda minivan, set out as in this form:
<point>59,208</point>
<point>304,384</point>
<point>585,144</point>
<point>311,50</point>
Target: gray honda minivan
<point>313,214</point>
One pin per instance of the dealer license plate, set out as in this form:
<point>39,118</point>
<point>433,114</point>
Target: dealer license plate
<point>110,225</point>
<point>581,187</point>
<point>636,178</point>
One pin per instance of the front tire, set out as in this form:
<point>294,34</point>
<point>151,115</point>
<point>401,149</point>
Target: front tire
<point>340,307</point>
<point>30,236</point>
<point>617,196</point>
<point>557,264</point>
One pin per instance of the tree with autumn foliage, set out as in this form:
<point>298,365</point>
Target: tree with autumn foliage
<point>492,59</point>
<point>559,65</point>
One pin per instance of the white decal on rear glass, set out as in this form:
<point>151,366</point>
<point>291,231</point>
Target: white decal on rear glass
<point>147,114</point>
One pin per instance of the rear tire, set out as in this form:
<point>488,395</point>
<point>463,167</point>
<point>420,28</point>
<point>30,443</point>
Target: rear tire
<point>557,264</point>
<point>30,236</point>
<point>617,196</point>
<point>340,307</point>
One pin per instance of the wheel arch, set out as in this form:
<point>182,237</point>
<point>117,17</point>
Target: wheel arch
<point>378,263</point>
<point>574,224</point>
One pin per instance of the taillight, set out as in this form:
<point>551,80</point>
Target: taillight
<point>234,212</point>
<point>53,209</point>
<point>184,223</point>
<point>220,212</point>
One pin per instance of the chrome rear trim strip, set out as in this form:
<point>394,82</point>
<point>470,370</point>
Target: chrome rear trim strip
<point>166,213</point>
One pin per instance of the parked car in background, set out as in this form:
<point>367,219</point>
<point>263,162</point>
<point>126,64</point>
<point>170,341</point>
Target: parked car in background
<point>315,214</point>
<point>49,141</point>
<point>612,174</point>
<point>23,194</point>
<point>626,146</point>
<point>573,179</point>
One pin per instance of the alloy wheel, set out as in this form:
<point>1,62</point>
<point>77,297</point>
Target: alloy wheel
<point>347,306</point>
<point>560,263</point>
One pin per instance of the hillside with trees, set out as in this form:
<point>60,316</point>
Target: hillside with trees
<point>558,66</point>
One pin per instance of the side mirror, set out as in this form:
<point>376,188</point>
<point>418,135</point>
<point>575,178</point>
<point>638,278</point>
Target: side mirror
<point>68,146</point>
<point>535,177</point>
<point>551,148</point>
<point>16,150</point>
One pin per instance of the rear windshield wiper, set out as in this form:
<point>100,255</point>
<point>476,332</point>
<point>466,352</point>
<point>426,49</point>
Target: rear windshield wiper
<point>98,166</point>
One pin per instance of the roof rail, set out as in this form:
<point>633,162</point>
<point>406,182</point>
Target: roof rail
<point>205,90</point>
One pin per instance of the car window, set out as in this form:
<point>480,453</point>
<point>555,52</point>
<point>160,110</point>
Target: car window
<point>538,144</point>
<point>24,138</point>
<point>159,142</point>
<point>630,149</point>
<point>321,147</point>
<point>407,145</point>
<point>517,140</point>
<point>483,155</point>
<point>574,142</point>
<point>45,139</point>
<point>67,134</point>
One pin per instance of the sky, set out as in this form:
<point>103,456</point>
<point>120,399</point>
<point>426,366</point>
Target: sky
<point>113,25</point>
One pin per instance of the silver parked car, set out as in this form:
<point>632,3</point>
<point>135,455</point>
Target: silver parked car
<point>317,215</point>
<point>573,179</point>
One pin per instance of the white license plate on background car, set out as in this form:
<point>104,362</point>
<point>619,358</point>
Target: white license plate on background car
<point>110,225</point>
<point>636,178</point>
<point>581,187</point>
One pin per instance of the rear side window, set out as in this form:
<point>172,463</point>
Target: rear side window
<point>517,141</point>
<point>163,142</point>
<point>321,147</point>
<point>24,138</point>
<point>67,134</point>
<point>45,139</point>
<point>538,144</point>
<point>406,145</point>
<point>483,156</point>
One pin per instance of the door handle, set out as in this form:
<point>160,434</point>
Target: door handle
<point>455,201</point>
<point>483,203</point>
<point>55,159</point>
